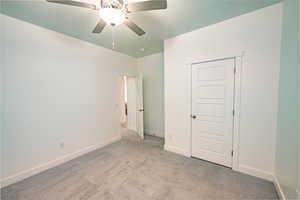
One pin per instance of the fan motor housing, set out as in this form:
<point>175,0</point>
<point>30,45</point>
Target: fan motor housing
<point>117,4</point>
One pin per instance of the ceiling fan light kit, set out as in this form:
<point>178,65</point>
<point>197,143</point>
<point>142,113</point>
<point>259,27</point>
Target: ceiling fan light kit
<point>112,16</point>
<point>115,12</point>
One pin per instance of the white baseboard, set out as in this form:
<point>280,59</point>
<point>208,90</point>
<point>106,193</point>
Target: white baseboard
<point>278,188</point>
<point>154,133</point>
<point>256,172</point>
<point>242,168</point>
<point>38,169</point>
<point>176,150</point>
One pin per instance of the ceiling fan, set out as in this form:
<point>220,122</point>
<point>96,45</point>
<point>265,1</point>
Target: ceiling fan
<point>115,12</point>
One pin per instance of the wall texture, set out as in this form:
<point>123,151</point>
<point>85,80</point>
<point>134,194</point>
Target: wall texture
<point>151,68</point>
<point>298,191</point>
<point>1,100</point>
<point>258,35</point>
<point>288,113</point>
<point>60,96</point>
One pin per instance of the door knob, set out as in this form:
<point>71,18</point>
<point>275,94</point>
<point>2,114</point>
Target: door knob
<point>193,116</point>
<point>141,110</point>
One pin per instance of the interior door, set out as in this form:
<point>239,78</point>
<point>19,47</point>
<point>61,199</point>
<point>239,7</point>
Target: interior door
<point>132,104</point>
<point>212,111</point>
<point>140,107</point>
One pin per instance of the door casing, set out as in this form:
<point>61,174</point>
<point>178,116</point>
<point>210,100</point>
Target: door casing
<point>237,100</point>
<point>206,110</point>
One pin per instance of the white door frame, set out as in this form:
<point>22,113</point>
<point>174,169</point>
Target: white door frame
<point>237,100</point>
<point>137,105</point>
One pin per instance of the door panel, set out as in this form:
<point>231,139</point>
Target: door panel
<point>212,108</point>
<point>140,111</point>
<point>132,103</point>
<point>210,91</point>
<point>211,73</point>
<point>211,128</point>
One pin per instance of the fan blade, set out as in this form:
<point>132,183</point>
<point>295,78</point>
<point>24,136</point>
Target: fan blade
<point>74,3</point>
<point>99,27</point>
<point>134,27</point>
<point>147,5</point>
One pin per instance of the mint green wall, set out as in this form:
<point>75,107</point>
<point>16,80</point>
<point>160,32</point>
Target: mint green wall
<point>152,69</point>
<point>1,100</point>
<point>299,101</point>
<point>287,138</point>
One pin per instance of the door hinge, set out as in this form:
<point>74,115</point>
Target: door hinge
<point>232,153</point>
<point>234,70</point>
<point>233,112</point>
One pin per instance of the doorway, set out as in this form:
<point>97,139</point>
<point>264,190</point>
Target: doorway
<point>132,117</point>
<point>213,111</point>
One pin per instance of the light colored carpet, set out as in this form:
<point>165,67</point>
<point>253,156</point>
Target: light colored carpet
<point>133,169</point>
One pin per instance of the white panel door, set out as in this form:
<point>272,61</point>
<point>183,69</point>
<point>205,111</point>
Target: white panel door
<point>140,107</point>
<point>132,103</point>
<point>212,111</point>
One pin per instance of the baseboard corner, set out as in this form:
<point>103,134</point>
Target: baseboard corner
<point>256,172</point>
<point>176,150</point>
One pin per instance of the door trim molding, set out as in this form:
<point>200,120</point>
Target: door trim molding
<point>238,58</point>
<point>278,188</point>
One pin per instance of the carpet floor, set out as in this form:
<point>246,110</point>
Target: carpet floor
<point>133,169</point>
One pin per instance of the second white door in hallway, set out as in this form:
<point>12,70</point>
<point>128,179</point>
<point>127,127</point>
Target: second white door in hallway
<point>135,105</point>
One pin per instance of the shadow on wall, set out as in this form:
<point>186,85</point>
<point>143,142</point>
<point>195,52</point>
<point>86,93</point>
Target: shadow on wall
<point>287,165</point>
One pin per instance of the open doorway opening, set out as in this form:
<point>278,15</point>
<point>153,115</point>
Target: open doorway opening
<point>124,111</point>
<point>132,105</point>
<point>133,113</point>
